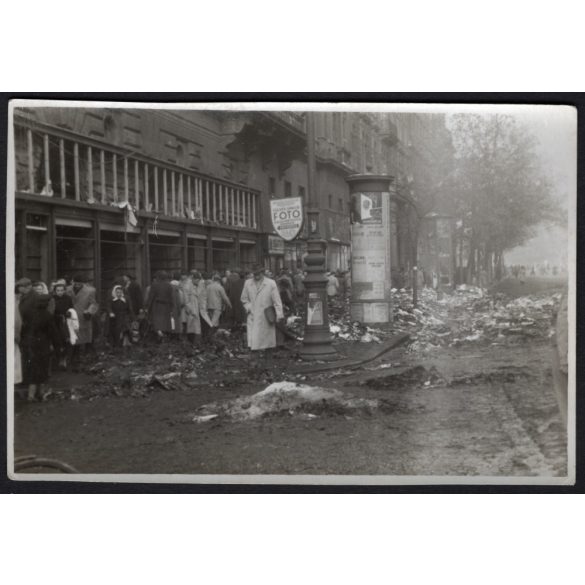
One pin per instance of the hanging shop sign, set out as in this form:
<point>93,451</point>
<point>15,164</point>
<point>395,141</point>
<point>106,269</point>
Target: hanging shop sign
<point>287,217</point>
<point>275,245</point>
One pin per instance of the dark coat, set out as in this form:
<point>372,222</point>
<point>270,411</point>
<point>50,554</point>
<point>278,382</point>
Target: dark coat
<point>61,306</point>
<point>133,292</point>
<point>160,305</point>
<point>234,288</point>
<point>35,345</point>
<point>27,305</point>
<point>121,322</point>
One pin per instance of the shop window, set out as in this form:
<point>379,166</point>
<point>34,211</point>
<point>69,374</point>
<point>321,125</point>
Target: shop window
<point>75,251</point>
<point>248,256</point>
<point>223,255</point>
<point>120,254</point>
<point>165,254</point>
<point>197,254</point>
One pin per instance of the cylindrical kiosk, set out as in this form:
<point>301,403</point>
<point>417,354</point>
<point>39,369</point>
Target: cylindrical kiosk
<point>371,297</point>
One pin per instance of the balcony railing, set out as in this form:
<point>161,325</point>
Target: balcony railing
<point>294,119</point>
<point>60,164</point>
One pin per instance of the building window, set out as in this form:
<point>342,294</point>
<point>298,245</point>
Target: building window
<point>180,155</point>
<point>301,192</point>
<point>111,129</point>
<point>272,186</point>
<point>340,204</point>
<point>330,201</point>
<point>287,189</point>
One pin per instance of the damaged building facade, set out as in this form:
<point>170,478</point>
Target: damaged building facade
<point>106,191</point>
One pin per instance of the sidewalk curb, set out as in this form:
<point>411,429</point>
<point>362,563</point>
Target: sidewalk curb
<point>393,343</point>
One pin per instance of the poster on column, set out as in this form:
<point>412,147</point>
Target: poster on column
<point>370,246</point>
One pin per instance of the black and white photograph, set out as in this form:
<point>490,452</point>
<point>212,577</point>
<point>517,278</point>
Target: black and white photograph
<point>291,293</point>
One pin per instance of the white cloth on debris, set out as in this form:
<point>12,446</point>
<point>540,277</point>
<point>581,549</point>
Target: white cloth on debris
<point>72,325</point>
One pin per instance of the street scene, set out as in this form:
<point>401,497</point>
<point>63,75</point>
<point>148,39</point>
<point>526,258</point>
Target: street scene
<point>327,292</point>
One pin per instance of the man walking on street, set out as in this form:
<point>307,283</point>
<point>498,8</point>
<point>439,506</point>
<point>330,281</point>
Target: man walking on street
<point>263,306</point>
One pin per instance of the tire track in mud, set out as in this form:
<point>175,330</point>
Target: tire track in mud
<point>527,454</point>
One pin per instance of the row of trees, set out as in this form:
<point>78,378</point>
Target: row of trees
<point>488,177</point>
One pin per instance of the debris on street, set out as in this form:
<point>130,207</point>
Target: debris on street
<point>285,398</point>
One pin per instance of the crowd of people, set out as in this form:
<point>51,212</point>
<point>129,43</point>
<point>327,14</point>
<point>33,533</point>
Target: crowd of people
<point>57,324</point>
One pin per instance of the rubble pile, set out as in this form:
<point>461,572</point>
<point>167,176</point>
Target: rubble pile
<point>472,316</point>
<point>288,399</point>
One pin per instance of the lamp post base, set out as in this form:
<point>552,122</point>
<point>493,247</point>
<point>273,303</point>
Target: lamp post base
<point>317,337</point>
<point>316,350</point>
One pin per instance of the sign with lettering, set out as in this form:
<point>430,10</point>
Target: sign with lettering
<point>287,216</point>
<point>275,245</point>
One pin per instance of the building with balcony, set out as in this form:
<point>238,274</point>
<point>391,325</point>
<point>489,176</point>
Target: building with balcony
<point>106,191</point>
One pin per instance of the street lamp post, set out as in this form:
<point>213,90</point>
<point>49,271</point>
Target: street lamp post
<point>317,337</point>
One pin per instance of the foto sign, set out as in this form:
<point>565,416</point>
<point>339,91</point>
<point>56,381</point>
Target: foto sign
<point>287,217</point>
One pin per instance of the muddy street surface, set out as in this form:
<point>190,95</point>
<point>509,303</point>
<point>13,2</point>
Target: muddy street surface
<point>463,397</point>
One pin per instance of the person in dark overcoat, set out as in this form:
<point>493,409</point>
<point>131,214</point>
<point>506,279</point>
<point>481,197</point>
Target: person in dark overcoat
<point>35,345</point>
<point>133,292</point>
<point>234,288</point>
<point>160,304</point>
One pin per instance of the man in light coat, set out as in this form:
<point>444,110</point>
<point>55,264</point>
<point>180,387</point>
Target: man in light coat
<point>217,300</point>
<point>259,294</point>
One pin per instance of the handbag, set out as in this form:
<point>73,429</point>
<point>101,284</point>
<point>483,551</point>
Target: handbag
<point>270,314</point>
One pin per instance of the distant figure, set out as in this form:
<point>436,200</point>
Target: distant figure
<point>285,289</point>
<point>332,285</point>
<point>299,284</point>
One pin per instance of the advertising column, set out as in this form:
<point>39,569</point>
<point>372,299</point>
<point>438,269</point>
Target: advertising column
<point>371,299</point>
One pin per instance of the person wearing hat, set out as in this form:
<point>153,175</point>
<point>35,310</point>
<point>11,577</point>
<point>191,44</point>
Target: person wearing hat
<point>86,306</point>
<point>263,306</point>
